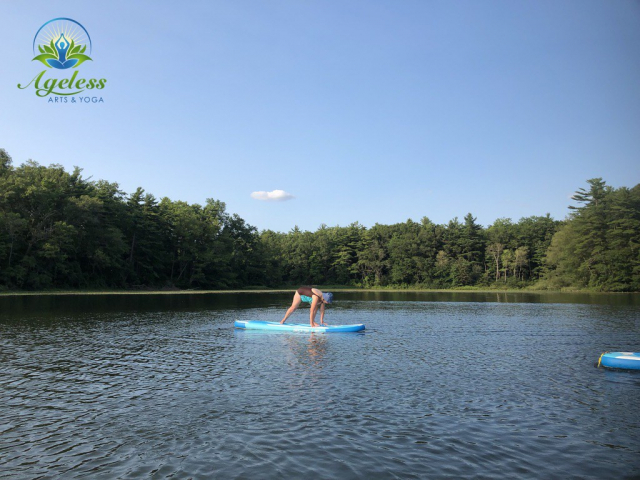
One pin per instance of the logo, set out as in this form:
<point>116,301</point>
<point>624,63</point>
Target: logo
<point>62,44</point>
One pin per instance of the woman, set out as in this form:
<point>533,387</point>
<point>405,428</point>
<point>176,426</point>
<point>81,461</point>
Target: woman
<point>314,297</point>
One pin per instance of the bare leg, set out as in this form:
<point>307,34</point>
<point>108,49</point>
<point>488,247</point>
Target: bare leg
<point>294,305</point>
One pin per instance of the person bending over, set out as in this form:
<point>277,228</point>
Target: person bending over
<point>315,298</point>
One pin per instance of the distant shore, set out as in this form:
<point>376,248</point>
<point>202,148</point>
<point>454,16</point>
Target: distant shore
<point>291,289</point>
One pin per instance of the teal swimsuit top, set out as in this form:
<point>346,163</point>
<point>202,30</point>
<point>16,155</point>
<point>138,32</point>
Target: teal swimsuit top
<point>306,299</point>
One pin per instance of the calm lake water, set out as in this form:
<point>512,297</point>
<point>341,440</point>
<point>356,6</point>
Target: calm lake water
<point>439,385</point>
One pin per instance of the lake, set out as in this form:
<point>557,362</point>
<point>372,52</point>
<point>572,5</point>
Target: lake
<point>482,385</point>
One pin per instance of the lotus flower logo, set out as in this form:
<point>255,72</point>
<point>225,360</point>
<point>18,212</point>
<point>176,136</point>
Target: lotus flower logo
<point>62,43</point>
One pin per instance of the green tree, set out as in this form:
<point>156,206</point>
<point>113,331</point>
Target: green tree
<point>494,251</point>
<point>5,162</point>
<point>144,232</point>
<point>535,233</point>
<point>598,247</point>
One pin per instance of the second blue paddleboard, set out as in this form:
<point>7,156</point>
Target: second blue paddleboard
<point>627,360</point>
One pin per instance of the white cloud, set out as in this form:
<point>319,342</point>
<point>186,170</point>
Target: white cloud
<point>273,196</point>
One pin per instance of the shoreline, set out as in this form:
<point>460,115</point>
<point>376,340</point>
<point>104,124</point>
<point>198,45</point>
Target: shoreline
<point>288,290</point>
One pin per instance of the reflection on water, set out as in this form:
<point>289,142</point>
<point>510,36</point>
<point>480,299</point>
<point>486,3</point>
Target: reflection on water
<point>164,386</point>
<point>309,352</point>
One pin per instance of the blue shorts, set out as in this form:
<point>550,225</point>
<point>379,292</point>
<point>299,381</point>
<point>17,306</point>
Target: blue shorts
<point>306,299</point>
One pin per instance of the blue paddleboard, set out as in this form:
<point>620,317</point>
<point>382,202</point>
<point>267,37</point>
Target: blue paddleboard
<point>294,327</point>
<point>629,360</point>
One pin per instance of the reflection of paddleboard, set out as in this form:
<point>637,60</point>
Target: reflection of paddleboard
<point>629,360</point>
<point>293,327</point>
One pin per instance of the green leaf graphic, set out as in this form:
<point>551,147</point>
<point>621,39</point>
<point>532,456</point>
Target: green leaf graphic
<point>72,46</point>
<point>83,49</point>
<point>80,57</point>
<point>48,49</point>
<point>53,47</point>
<point>43,58</point>
<point>40,48</point>
<point>76,49</point>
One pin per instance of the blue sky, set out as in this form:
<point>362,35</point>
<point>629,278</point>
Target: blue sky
<point>369,111</point>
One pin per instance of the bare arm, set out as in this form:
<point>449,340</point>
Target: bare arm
<point>322,314</point>
<point>313,311</point>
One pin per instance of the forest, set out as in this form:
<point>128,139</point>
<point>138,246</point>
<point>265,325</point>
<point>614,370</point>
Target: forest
<point>61,231</point>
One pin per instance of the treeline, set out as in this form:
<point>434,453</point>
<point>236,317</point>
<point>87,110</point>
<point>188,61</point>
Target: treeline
<point>59,230</point>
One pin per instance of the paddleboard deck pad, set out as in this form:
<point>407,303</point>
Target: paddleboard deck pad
<point>295,327</point>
